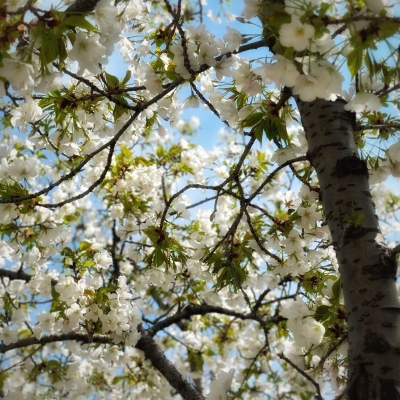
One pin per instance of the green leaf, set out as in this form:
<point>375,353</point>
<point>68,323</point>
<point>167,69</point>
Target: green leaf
<point>53,364</point>
<point>78,21</point>
<point>209,353</point>
<point>241,99</point>
<point>224,277</point>
<point>83,246</point>
<point>321,312</point>
<point>387,29</point>
<point>252,119</point>
<point>11,190</point>
<point>258,132</point>
<point>127,76</point>
<point>3,377</point>
<point>358,220</point>
<point>153,234</point>
<point>336,287</point>
<point>49,49</point>
<point>369,64</point>
<point>88,264</point>
<point>112,81</point>
<point>270,128</point>
<point>118,109</point>
<point>158,258</point>
<point>239,275</point>
<point>354,60</point>
<point>196,358</point>
<point>172,75</point>
<point>118,379</point>
<point>126,151</point>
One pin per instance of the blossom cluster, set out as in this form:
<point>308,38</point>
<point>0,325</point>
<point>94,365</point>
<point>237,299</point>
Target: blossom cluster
<point>125,221</point>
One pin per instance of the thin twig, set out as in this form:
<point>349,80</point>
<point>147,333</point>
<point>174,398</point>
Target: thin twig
<point>303,373</point>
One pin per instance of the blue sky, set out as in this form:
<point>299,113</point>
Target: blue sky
<point>207,135</point>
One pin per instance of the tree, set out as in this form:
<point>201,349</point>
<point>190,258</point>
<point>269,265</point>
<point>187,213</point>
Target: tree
<point>118,279</point>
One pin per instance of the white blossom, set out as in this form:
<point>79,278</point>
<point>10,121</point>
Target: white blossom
<point>234,39</point>
<point>221,385</point>
<point>364,102</point>
<point>8,335</point>
<point>18,73</point>
<point>283,72</point>
<point>102,260</point>
<point>296,34</point>
<point>88,51</point>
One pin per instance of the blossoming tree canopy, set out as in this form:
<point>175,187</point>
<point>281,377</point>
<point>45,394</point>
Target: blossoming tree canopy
<point>136,262</point>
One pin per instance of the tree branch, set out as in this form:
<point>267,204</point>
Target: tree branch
<point>303,373</point>
<point>91,187</point>
<point>147,344</point>
<point>157,357</point>
<point>396,250</point>
<point>13,275</point>
<point>82,6</point>
<point>80,337</point>
<point>204,309</point>
<point>378,126</point>
<point>273,173</point>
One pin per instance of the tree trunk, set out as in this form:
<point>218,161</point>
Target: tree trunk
<point>367,267</point>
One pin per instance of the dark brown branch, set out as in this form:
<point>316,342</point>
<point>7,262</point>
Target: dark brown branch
<point>157,357</point>
<point>331,350</point>
<point>273,173</point>
<point>362,17</point>
<point>175,17</point>
<point>198,203</point>
<point>396,250</point>
<point>80,337</point>
<point>257,239</point>
<point>259,303</point>
<point>92,86</point>
<point>139,109</point>
<point>13,275</point>
<point>90,188</point>
<point>385,91</point>
<point>248,370</point>
<point>301,372</point>
<point>147,344</point>
<point>115,240</point>
<point>216,188</point>
<point>378,126</point>
<point>177,194</point>
<point>204,309</point>
<point>82,6</point>
<point>209,105</point>
<point>74,171</point>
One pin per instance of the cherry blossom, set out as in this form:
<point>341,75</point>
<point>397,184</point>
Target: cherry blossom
<point>19,74</point>
<point>296,34</point>
<point>314,331</point>
<point>88,51</point>
<point>234,39</point>
<point>293,244</point>
<point>221,385</point>
<point>283,72</point>
<point>23,169</point>
<point>364,101</point>
<point>135,231</point>
<point>309,216</point>
<point>8,335</point>
<point>102,259</point>
<point>251,8</point>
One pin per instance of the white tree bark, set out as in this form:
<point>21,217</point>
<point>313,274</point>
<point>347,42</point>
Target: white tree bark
<point>367,266</point>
